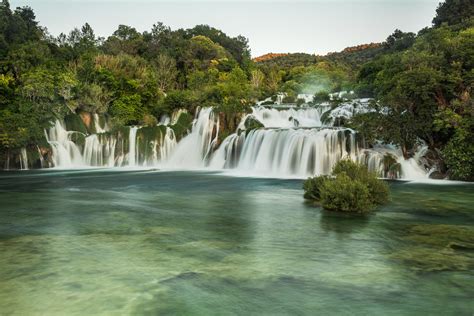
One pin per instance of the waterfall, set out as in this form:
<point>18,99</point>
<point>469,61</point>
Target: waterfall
<point>168,143</point>
<point>293,142</point>
<point>132,149</point>
<point>40,155</point>
<point>24,159</point>
<point>66,154</point>
<point>286,152</point>
<point>307,117</point>
<point>195,149</point>
<point>99,129</point>
<point>72,149</point>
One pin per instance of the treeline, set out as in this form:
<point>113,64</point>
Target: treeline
<point>422,83</point>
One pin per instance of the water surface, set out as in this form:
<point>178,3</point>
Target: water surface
<point>147,242</point>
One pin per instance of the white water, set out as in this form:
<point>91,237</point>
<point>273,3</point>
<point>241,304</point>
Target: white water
<point>294,143</point>
<point>307,117</point>
<point>105,149</point>
<point>132,148</point>
<point>195,149</point>
<point>286,152</point>
<point>24,159</point>
<point>66,154</point>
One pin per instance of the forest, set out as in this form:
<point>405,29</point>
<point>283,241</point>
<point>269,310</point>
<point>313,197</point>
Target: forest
<point>421,84</point>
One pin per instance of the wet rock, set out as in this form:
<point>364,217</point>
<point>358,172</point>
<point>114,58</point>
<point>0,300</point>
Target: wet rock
<point>251,123</point>
<point>437,175</point>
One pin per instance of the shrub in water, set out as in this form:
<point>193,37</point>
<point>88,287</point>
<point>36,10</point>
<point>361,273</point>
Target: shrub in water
<point>345,195</point>
<point>312,187</point>
<point>350,188</point>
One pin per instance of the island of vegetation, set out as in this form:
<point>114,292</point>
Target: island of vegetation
<point>349,188</point>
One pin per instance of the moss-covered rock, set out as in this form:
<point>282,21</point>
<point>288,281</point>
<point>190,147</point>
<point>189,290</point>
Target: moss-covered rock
<point>430,260</point>
<point>228,123</point>
<point>438,247</point>
<point>441,235</point>
<point>149,141</point>
<point>183,125</point>
<point>251,123</point>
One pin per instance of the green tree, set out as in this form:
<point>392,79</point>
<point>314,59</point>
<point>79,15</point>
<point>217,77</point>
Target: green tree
<point>166,72</point>
<point>453,12</point>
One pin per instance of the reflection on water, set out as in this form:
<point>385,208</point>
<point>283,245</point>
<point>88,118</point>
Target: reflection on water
<point>136,242</point>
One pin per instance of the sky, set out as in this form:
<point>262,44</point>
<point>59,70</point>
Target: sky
<point>309,26</point>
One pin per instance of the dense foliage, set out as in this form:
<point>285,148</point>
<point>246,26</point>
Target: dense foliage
<point>350,188</point>
<point>422,83</point>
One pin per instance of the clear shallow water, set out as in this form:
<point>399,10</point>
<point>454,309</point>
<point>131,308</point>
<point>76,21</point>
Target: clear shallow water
<point>187,243</point>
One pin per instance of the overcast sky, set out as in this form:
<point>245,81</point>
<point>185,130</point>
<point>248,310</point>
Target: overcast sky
<point>310,26</point>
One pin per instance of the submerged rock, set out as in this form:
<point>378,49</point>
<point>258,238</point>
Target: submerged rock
<point>430,260</point>
<point>438,247</point>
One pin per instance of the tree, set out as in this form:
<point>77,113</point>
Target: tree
<point>201,51</point>
<point>399,41</point>
<point>166,72</point>
<point>93,98</point>
<point>273,80</point>
<point>453,12</point>
<point>237,46</point>
<point>127,109</point>
<point>125,39</point>
<point>257,78</point>
<point>82,41</point>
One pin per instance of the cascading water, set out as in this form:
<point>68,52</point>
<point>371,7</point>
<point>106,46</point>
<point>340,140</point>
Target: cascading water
<point>285,152</point>
<point>65,153</point>
<point>294,142</point>
<point>24,159</point>
<point>194,150</point>
<point>72,149</point>
<point>308,117</point>
<point>132,149</point>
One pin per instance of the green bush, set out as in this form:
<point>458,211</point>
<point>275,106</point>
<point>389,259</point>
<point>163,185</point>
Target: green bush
<point>378,190</point>
<point>351,169</point>
<point>350,188</point>
<point>312,187</point>
<point>345,195</point>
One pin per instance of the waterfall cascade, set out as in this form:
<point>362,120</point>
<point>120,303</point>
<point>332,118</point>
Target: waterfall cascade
<point>132,146</point>
<point>24,159</point>
<point>293,142</point>
<point>195,149</point>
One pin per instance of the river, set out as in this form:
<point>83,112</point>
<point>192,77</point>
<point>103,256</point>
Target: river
<point>119,241</point>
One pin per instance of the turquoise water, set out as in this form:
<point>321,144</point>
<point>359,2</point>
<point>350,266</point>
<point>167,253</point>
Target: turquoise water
<point>189,243</point>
